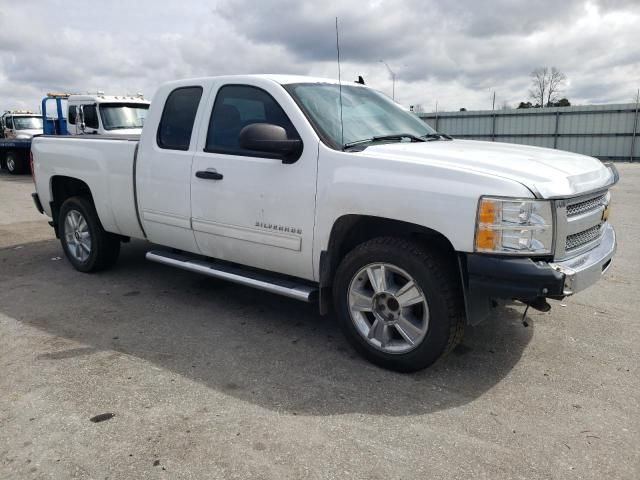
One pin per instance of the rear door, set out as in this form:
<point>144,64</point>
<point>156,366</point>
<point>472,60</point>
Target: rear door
<point>259,211</point>
<point>164,167</point>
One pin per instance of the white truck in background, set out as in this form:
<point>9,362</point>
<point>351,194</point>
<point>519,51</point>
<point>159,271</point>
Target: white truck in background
<point>101,114</point>
<point>334,194</point>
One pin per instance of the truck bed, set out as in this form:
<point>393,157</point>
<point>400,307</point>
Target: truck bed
<point>105,164</point>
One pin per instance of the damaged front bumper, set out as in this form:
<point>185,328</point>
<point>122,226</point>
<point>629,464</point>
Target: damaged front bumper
<point>586,269</point>
<point>488,278</point>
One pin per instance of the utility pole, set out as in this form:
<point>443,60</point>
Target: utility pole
<point>493,105</point>
<point>393,79</point>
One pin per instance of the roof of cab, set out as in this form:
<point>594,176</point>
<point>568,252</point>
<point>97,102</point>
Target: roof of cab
<point>100,98</point>
<point>276,78</point>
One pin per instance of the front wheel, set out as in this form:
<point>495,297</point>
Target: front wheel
<point>399,303</point>
<point>15,163</point>
<point>86,244</point>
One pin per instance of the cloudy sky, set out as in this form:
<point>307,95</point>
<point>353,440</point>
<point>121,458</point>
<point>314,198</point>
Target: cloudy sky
<point>455,53</point>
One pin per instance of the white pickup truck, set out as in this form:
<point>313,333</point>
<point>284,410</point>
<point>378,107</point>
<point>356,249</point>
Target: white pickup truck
<point>338,196</point>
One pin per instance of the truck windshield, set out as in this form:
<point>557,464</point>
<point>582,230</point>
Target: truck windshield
<point>27,123</point>
<point>123,115</point>
<point>366,114</point>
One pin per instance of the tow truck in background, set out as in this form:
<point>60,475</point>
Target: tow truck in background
<point>17,128</point>
<point>94,114</point>
<point>106,115</point>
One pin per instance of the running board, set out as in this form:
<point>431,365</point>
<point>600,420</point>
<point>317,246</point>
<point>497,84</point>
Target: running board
<point>270,283</point>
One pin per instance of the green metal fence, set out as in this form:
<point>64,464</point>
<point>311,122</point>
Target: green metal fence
<point>608,132</point>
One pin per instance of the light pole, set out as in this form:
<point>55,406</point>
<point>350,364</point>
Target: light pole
<point>393,79</point>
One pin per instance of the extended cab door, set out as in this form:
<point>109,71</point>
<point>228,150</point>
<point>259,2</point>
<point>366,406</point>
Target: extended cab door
<point>163,165</point>
<point>252,208</point>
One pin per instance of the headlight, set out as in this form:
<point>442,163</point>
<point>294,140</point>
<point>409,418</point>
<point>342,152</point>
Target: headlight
<point>514,226</point>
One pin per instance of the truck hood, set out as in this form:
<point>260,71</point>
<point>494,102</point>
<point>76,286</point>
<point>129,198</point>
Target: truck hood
<point>125,131</point>
<point>27,133</point>
<point>547,173</point>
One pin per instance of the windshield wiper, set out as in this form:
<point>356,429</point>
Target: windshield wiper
<point>394,136</point>
<point>430,137</point>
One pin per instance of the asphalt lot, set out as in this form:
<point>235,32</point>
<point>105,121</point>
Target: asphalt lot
<point>211,380</point>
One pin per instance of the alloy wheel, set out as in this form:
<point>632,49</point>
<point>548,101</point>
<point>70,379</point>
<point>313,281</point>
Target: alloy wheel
<point>77,235</point>
<point>388,308</point>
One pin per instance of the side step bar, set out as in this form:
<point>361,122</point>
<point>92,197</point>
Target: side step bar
<point>263,281</point>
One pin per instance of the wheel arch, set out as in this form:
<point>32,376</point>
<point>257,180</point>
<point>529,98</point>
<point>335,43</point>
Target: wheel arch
<point>62,188</point>
<point>351,230</point>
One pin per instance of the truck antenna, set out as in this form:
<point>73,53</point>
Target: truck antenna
<point>339,86</point>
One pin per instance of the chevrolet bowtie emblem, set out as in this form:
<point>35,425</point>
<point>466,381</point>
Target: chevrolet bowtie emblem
<point>605,213</point>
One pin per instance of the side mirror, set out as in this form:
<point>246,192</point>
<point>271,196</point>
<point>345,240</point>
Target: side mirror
<point>269,138</point>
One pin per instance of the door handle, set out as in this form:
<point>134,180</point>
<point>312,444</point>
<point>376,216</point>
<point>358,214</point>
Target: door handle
<point>209,175</point>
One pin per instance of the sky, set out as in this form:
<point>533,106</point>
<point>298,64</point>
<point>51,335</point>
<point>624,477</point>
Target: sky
<point>444,54</point>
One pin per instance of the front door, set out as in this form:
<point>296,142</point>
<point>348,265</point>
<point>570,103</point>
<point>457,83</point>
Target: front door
<point>90,116</point>
<point>249,208</point>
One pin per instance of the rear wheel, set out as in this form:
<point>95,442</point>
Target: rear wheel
<point>85,243</point>
<point>399,303</point>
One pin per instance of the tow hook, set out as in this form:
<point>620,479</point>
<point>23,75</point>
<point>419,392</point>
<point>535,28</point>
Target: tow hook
<point>538,303</point>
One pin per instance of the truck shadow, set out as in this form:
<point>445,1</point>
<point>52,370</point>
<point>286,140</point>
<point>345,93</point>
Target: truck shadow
<point>260,348</point>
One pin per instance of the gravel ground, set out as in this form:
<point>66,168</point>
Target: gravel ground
<point>206,379</point>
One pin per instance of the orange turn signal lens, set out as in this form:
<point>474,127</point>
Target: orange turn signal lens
<point>487,212</point>
<point>487,239</point>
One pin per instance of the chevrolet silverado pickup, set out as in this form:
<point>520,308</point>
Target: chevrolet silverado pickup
<point>334,194</point>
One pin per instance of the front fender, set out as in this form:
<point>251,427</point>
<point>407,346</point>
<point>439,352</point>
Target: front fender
<point>443,199</point>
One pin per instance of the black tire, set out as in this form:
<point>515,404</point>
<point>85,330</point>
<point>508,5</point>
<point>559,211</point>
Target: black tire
<point>104,247</point>
<point>436,275</point>
<point>15,163</point>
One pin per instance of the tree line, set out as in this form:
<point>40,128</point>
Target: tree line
<point>546,85</point>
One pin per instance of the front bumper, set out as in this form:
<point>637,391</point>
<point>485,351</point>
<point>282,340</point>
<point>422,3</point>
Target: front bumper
<point>586,269</point>
<point>488,278</point>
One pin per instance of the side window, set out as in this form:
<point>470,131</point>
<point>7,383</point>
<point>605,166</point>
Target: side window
<point>73,112</point>
<point>237,106</point>
<point>90,116</point>
<point>178,116</point>
<point>9,122</point>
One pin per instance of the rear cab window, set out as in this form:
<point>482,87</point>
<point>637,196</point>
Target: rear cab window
<point>178,118</point>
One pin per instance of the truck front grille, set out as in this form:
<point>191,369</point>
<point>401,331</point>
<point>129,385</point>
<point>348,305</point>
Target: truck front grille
<point>579,223</point>
<point>582,238</point>
<point>586,205</point>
